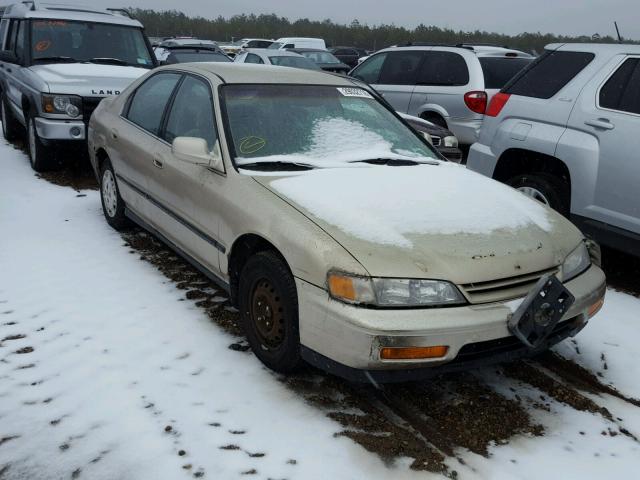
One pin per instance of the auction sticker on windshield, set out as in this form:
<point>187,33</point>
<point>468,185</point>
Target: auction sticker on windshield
<point>354,92</point>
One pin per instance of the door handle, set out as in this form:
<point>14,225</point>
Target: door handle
<point>601,123</point>
<point>157,163</point>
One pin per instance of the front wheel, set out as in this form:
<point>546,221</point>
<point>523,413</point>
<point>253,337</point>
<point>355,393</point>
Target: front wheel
<point>10,126</point>
<point>40,156</point>
<point>545,188</point>
<point>113,206</point>
<point>268,303</point>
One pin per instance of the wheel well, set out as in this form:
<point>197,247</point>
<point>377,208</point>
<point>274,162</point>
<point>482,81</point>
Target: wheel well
<point>26,107</point>
<point>516,161</point>
<point>242,249</point>
<point>430,115</point>
<point>101,156</point>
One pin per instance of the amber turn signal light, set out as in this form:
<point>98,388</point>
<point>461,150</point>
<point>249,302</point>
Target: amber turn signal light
<point>342,287</point>
<point>595,308</point>
<point>413,353</point>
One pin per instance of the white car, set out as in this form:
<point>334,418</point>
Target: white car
<point>298,42</point>
<point>280,58</point>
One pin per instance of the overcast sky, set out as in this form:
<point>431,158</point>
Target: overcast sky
<point>505,16</point>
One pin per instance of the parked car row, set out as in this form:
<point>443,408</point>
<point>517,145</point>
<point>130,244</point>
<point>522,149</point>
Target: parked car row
<point>344,238</point>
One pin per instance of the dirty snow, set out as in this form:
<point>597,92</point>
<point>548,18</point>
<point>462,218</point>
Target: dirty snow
<point>389,204</point>
<point>107,373</point>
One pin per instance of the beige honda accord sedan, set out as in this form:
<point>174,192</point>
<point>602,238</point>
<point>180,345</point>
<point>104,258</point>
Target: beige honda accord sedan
<point>344,239</point>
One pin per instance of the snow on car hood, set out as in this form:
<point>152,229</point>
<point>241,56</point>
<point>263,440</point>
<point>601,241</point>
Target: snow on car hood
<point>87,79</point>
<point>429,221</point>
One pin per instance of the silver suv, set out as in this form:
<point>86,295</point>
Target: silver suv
<point>565,131</point>
<point>56,63</point>
<point>447,85</point>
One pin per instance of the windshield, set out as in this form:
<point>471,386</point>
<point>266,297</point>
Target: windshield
<point>291,61</point>
<point>183,57</point>
<point>319,126</point>
<point>321,57</point>
<point>87,41</point>
<point>275,45</point>
<point>499,70</point>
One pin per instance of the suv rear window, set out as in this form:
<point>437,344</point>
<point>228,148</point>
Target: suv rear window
<point>622,91</point>
<point>547,75</point>
<point>499,70</point>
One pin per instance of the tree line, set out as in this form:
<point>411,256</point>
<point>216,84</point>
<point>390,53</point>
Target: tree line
<point>175,23</point>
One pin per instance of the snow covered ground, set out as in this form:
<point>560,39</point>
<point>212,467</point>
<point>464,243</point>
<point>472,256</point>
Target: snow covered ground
<point>108,372</point>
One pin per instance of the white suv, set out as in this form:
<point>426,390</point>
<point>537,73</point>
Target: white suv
<point>447,85</point>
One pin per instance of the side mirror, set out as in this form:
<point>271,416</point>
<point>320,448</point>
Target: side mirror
<point>196,151</point>
<point>8,56</point>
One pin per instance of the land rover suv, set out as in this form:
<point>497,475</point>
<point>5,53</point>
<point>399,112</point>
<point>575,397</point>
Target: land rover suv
<point>57,62</point>
<point>565,132</point>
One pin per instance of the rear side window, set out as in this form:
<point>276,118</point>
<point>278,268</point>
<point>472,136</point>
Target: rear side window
<point>253,58</point>
<point>498,71</point>
<point>4,24</point>
<point>401,68</point>
<point>370,70</point>
<point>547,75</point>
<point>443,68</point>
<point>150,100</point>
<point>622,90</point>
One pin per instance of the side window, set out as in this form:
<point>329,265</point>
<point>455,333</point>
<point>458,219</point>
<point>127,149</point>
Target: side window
<point>253,58</point>
<point>150,99</point>
<point>548,74</point>
<point>401,68</point>
<point>192,113</point>
<point>370,69</point>
<point>289,45</point>
<point>4,25</point>
<point>20,39</point>
<point>10,44</point>
<point>622,90</point>
<point>443,68</point>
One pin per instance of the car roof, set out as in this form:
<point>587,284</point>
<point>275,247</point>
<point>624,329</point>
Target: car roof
<point>263,74</point>
<point>59,11</point>
<point>609,48</point>
<point>273,52</point>
<point>464,50</point>
<point>308,50</point>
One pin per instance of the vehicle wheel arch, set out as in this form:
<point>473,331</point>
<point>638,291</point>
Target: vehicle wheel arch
<point>517,161</point>
<point>435,114</point>
<point>101,156</point>
<point>243,248</point>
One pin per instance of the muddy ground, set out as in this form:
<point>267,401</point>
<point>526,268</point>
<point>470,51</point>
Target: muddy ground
<point>429,422</point>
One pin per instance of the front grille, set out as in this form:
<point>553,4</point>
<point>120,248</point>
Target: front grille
<point>436,141</point>
<point>504,288</point>
<point>89,104</point>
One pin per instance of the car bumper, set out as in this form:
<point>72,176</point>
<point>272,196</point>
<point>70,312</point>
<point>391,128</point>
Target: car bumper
<point>466,130</point>
<point>481,159</point>
<point>347,340</point>
<point>49,129</point>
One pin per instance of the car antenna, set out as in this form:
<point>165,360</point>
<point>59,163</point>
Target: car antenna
<point>618,32</point>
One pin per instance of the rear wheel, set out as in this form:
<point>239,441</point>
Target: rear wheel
<point>268,303</point>
<point>113,206</point>
<point>10,126</point>
<point>545,188</point>
<point>40,155</point>
<point>435,119</point>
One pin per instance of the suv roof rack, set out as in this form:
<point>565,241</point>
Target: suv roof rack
<point>431,44</point>
<point>30,2</point>
<point>471,45</point>
<point>121,11</point>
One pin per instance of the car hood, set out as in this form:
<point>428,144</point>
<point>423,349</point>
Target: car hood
<point>87,79</point>
<point>429,221</point>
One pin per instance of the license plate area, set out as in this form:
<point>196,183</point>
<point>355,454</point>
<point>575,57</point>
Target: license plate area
<point>541,310</point>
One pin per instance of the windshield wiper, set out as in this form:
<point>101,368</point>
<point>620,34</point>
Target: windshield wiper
<point>108,61</point>
<point>60,59</point>
<point>276,165</point>
<point>395,162</point>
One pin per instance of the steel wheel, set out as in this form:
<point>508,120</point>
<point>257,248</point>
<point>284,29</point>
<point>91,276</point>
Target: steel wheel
<point>267,313</point>
<point>109,193</point>
<point>535,194</point>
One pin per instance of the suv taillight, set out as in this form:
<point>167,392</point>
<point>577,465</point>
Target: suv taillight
<point>497,103</point>
<point>476,101</point>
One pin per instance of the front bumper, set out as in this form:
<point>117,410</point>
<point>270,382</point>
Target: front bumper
<point>335,335</point>
<point>481,159</point>
<point>49,129</point>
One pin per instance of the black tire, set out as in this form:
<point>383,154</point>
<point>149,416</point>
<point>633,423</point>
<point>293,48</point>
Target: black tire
<point>41,156</point>
<point>11,128</point>
<point>544,187</point>
<point>435,119</point>
<point>271,327</point>
<point>113,205</point>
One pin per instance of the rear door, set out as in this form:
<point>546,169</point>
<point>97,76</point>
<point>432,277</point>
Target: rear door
<point>609,109</point>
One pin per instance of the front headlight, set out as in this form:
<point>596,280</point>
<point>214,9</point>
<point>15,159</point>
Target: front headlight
<point>576,263</point>
<point>450,141</point>
<point>392,292</point>
<point>62,104</point>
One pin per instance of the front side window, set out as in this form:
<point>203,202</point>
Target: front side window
<point>192,113</point>
<point>63,40</point>
<point>622,90</point>
<point>253,58</point>
<point>443,69</point>
<point>150,100</point>
<point>4,25</point>
<point>314,125</point>
<point>401,68</point>
<point>370,70</point>
<point>20,40</point>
